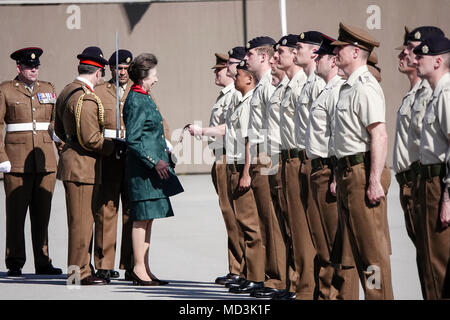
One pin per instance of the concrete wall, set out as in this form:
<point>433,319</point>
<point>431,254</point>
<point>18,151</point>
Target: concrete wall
<point>184,36</point>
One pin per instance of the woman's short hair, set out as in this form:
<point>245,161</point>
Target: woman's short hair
<point>141,65</point>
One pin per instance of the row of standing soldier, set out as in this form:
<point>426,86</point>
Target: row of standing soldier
<point>317,209</point>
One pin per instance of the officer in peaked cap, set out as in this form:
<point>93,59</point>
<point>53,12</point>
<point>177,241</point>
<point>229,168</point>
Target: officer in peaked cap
<point>80,161</point>
<point>221,60</point>
<point>349,35</point>
<point>432,63</point>
<point>28,161</point>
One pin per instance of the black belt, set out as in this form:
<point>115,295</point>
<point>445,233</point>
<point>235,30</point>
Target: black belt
<point>224,152</point>
<point>432,170</point>
<point>406,177</point>
<point>352,160</point>
<point>235,166</point>
<point>415,167</point>
<point>289,154</point>
<point>302,155</point>
<point>319,163</point>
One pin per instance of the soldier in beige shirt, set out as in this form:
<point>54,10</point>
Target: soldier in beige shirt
<point>433,64</point>
<point>362,177</point>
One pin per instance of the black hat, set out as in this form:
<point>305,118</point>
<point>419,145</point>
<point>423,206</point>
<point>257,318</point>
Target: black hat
<point>326,47</point>
<point>311,37</point>
<point>237,53</point>
<point>423,33</point>
<point>125,57</point>
<point>405,39</point>
<point>259,42</point>
<point>92,56</point>
<point>242,65</point>
<point>433,46</point>
<point>288,41</point>
<point>27,56</point>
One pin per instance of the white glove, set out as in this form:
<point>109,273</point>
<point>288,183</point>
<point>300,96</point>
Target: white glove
<point>5,166</point>
<point>55,137</point>
<point>169,146</point>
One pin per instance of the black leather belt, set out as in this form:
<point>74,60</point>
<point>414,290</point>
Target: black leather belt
<point>432,170</point>
<point>352,160</point>
<point>415,167</point>
<point>289,154</point>
<point>302,155</point>
<point>235,166</point>
<point>319,163</point>
<point>406,177</point>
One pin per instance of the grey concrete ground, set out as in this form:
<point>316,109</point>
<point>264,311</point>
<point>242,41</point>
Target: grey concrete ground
<point>189,250</point>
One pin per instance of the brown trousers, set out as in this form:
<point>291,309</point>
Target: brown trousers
<point>433,240</point>
<point>234,234</point>
<point>301,239</point>
<point>342,283</point>
<point>252,266</point>
<point>80,203</point>
<point>106,227</point>
<point>25,191</point>
<point>368,231</point>
<point>272,239</point>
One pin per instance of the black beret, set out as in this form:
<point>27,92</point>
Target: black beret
<point>433,46</point>
<point>289,40</point>
<point>311,37</point>
<point>27,56</point>
<point>242,65</point>
<point>125,57</point>
<point>259,42</point>
<point>237,53</point>
<point>423,33</point>
<point>92,56</point>
<point>326,47</point>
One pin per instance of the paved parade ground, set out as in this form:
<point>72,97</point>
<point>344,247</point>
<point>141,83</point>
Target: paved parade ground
<point>188,250</point>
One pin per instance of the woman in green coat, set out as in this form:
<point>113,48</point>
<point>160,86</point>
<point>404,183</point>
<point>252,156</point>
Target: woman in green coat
<point>150,178</point>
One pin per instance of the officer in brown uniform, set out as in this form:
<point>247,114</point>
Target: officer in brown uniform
<point>27,159</point>
<point>362,177</point>
<point>80,124</point>
<point>113,187</point>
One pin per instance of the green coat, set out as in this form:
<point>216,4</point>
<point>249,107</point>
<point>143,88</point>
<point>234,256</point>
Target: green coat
<point>146,145</point>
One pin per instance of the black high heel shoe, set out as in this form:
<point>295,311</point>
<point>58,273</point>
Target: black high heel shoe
<point>139,282</point>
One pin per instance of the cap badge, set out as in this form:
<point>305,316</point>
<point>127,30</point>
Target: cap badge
<point>128,60</point>
<point>33,56</point>
<point>417,35</point>
<point>101,55</point>
<point>277,46</point>
<point>247,45</point>
<point>242,63</point>
<point>230,52</point>
<point>284,42</point>
<point>302,36</point>
<point>425,49</point>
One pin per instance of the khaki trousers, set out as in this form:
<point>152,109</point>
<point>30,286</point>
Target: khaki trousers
<point>252,266</point>
<point>368,230</point>
<point>25,191</point>
<point>80,200</point>
<point>433,240</point>
<point>234,234</point>
<point>275,253</point>
<point>342,283</point>
<point>301,240</point>
<point>106,227</point>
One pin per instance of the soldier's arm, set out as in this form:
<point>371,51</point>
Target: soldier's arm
<point>445,126</point>
<point>3,155</point>
<point>378,153</point>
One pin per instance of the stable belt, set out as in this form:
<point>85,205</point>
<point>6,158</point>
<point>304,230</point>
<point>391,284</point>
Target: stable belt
<point>432,170</point>
<point>352,160</point>
<point>406,177</point>
<point>289,154</point>
<point>320,163</point>
<point>110,133</point>
<point>27,126</point>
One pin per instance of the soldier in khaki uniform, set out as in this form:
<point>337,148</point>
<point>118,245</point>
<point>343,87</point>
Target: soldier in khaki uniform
<point>27,159</point>
<point>433,64</point>
<point>113,187</point>
<point>319,143</point>
<point>362,177</point>
<point>80,124</point>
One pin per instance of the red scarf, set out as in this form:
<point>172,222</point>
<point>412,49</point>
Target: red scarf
<point>138,89</point>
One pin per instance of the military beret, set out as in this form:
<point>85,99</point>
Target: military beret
<point>289,40</point>
<point>311,37</point>
<point>242,65</point>
<point>92,56</point>
<point>125,57</point>
<point>259,42</point>
<point>237,53</point>
<point>405,39</point>
<point>423,33</point>
<point>326,47</point>
<point>221,60</point>
<point>356,37</point>
<point>433,46</point>
<point>27,56</point>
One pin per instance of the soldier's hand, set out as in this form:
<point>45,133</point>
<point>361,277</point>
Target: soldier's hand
<point>444,214</point>
<point>162,169</point>
<point>375,192</point>
<point>120,148</point>
<point>195,130</point>
<point>244,183</point>
<point>333,188</point>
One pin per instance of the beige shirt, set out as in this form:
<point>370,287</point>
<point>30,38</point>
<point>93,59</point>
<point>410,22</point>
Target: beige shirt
<point>287,110</point>
<point>313,86</point>
<point>401,161</point>
<point>320,129</point>
<point>273,118</point>
<point>421,99</point>
<point>237,129</point>
<point>436,125</point>
<point>218,113</point>
<point>258,109</point>
<point>361,103</point>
